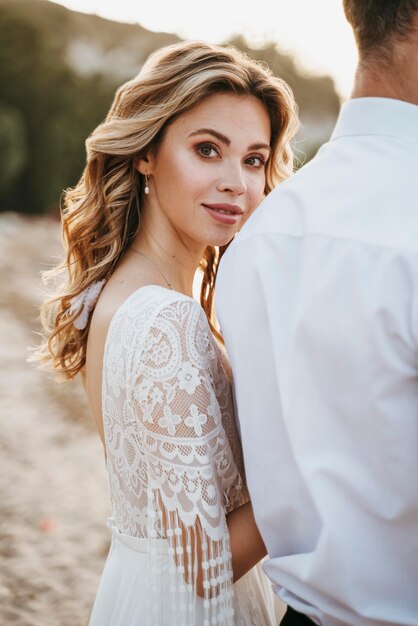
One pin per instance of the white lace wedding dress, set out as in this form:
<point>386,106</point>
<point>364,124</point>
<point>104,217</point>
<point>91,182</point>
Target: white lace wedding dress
<point>175,471</point>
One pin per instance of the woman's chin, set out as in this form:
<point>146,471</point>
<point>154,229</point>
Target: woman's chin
<point>221,240</point>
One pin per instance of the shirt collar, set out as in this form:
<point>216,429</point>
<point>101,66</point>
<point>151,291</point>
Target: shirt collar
<point>377,116</point>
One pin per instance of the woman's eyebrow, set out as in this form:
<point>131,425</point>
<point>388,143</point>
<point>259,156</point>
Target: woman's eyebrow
<point>225,140</point>
<point>215,133</point>
<point>259,146</point>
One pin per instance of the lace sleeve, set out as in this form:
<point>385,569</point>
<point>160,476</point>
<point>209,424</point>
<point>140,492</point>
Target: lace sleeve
<point>188,457</point>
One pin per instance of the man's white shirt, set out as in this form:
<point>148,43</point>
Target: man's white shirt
<point>317,300</point>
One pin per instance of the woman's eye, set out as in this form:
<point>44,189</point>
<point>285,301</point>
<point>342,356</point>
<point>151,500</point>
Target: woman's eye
<point>256,161</point>
<point>207,150</point>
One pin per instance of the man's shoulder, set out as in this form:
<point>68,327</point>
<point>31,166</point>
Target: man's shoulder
<point>283,201</point>
<point>339,195</point>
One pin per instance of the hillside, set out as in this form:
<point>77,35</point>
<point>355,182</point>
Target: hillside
<point>58,73</point>
<point>93,44</point>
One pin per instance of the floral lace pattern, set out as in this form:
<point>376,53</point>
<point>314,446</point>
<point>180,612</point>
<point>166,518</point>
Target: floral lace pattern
<point>173,454</point>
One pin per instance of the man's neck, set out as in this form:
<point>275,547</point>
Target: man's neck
<point>396,78</point>
<point>387,84</point>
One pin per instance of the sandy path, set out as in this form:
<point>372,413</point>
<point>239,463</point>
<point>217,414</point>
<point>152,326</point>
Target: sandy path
<point>53,492</point>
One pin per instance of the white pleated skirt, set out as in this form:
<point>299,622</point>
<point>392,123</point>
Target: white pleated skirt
<point>123,597</point>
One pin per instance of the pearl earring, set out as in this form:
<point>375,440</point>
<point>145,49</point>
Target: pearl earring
<point>146,186</point>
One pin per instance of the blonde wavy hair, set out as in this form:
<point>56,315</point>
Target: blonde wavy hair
<point>102,213</point>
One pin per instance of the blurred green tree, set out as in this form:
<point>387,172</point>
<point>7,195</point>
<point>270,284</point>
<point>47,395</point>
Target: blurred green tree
<point>56,108</point>
<point>13,148</point>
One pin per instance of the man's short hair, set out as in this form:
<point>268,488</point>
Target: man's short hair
<point>377,24</point>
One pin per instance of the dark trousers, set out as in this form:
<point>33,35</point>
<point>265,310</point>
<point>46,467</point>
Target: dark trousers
<point>293,618</point>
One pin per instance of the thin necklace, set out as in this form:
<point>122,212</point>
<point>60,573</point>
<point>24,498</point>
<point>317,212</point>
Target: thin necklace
<point>155,265</point>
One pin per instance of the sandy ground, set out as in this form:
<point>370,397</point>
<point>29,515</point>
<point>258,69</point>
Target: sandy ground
<point>53,491</point>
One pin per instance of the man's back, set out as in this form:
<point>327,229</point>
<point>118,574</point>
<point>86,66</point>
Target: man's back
<point>322,333</point>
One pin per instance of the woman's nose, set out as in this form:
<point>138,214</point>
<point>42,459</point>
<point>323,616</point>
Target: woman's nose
<point>233,179</point>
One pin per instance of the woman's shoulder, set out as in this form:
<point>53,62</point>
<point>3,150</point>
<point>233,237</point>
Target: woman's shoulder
<point>152,301</point>
<point>163,328</point>
<point>154,306</point>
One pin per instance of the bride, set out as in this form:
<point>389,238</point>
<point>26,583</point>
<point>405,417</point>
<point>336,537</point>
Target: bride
<point>188,150</point>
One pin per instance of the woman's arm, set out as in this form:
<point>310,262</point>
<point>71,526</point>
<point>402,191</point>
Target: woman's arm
<point>247,545</point>
<point>188,455</point>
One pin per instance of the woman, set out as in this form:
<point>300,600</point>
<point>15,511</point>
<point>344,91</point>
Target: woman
<point>189,148</point>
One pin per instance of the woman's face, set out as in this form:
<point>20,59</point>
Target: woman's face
<point>208,174</point>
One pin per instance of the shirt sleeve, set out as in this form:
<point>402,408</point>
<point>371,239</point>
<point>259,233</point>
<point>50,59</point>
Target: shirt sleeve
<point>188,457</point>
<point>255,297</point>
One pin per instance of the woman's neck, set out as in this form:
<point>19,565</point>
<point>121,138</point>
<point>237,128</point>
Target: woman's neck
<point>175,261</point>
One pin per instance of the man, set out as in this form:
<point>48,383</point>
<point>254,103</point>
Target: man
<point>318,303</point>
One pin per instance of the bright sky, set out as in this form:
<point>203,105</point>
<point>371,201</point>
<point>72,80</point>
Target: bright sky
<point>316,32</point>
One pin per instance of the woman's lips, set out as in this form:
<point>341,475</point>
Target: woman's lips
<point>225,213</point>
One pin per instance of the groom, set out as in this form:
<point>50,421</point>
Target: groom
<point>318,303</point>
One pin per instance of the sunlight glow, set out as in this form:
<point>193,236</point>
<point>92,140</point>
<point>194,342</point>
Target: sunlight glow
<point>316,33</point>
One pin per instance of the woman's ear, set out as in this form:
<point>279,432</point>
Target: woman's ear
<point>141,165</point>
<point>144,164</point>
